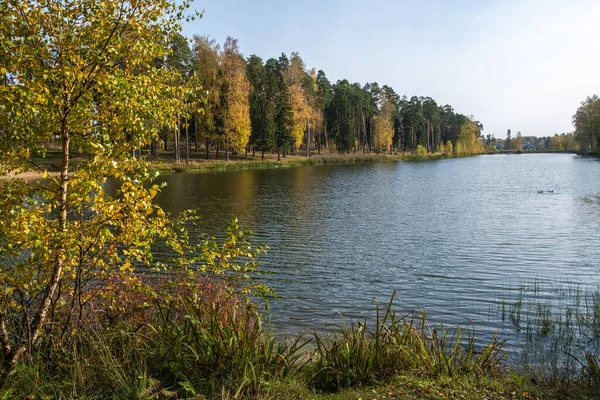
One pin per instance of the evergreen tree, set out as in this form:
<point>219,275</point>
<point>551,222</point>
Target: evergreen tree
<point>179,57</point>
<point>508,144</point>
<point>415,122</point>
<point>341,117</point>
<point>262,105</point>
<point>431,115</point>
<point>283,117</point>
<point>323,99</point>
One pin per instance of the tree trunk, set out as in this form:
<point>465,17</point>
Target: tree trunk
<point>227,148</point>
<point>177,153</point>
<point>5,341</point>
<point>207,148</point>
<point>370,137</point>
<point>166,139</point>
<point>319,138</point>
<point>196,132</point>
<point>428,148</point>
<point>338,127</point>
<point>187,144</point>
<point>40,317</point>
<point>364,128</point>
<point>325,135</point>
<point>355,135</point>
<point>307,140</point>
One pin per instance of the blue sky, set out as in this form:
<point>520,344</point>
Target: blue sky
<point>520,65</point>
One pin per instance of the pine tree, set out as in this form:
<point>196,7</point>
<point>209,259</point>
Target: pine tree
<point>341,117</point>
<point>262,106</point>
<point>283,117</point>
<point>323,100</point>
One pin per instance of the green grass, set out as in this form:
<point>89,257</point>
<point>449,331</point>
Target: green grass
<point>50,160</point>
<point>413,387</point>
<point>296,161</point>
<point>418,387</point>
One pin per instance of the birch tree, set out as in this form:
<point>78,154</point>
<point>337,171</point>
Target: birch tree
<point>236,92</point>
<point>85,74</point>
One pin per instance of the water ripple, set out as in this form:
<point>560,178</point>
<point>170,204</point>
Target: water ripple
<point>449,236</point>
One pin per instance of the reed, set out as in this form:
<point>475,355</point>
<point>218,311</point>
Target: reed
<point>357,354</point>
<point>558,327</point>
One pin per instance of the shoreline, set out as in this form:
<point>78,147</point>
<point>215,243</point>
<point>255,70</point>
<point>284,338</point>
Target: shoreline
<point>163,163</point>
<point>288,162</point>
<point>199,164</point>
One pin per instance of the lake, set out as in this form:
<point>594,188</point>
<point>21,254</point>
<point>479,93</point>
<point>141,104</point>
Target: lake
<point>449,236</point>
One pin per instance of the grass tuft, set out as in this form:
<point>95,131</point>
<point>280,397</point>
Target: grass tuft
<point>358,355</point>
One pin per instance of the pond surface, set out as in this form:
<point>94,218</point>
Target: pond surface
<point>449,236</point>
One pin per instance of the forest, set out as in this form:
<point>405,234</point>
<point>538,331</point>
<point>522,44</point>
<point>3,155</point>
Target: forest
<point>280,105</point>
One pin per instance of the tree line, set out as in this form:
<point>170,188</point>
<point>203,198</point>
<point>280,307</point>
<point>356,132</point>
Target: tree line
<point>280,105</point>
<point>565,142</point>
<point>585,138</point>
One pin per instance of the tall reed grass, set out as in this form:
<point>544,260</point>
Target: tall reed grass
<point>557,326</point>
<point>356,354</point>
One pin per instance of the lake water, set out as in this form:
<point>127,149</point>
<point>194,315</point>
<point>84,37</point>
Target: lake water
<point>449,236</point>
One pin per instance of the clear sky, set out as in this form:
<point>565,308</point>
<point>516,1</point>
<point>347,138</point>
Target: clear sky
<point>523,65</point>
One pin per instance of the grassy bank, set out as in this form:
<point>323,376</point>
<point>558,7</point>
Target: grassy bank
<point>217,348</point>
<point>250,162</point>
<point>50,161</point>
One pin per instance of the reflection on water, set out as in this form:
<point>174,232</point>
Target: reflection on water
<point>449,236</point>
